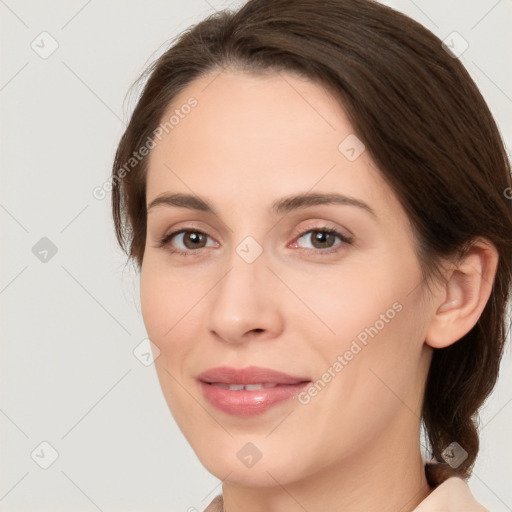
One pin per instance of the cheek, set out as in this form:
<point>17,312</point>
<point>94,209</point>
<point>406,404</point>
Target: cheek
<point>368,340</point>
<point>173,309</point>
<point>364,388</point>
<point>344,302</point>
<point>169,316</point>
<point>156,304</point>
<point>380,371</point>
<point>166,297</point>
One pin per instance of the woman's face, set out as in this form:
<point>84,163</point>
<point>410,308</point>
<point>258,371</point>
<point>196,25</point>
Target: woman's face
<point>255,285</point>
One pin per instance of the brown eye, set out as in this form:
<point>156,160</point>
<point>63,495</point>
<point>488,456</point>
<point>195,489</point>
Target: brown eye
<point>187,240</point>
<point>194,239</point>
<point>321,239</point>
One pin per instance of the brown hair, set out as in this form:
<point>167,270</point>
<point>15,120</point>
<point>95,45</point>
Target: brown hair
<point>427,128</point>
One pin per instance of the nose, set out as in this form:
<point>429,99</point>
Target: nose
<point>245,304</point>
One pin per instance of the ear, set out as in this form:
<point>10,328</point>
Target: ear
<point>462,299</point>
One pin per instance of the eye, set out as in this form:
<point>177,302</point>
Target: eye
<point>321,239</point>
<point>184,241</point>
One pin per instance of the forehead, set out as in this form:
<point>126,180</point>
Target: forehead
<point>250,136</point>
<point>265,107</point>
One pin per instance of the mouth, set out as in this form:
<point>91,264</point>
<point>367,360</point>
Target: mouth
<point>249,391</point>
<point>239,387</point>
<point>251,375</point>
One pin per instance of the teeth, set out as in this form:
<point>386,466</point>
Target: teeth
<point>236,387</point>
<point>239,387</point>
<point>253,387</point>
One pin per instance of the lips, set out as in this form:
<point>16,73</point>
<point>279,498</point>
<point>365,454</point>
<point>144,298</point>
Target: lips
<point>248,391</point>
<point>249,375</point>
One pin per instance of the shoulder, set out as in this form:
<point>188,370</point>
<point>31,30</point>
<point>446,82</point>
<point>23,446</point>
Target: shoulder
<point>453,495</point>
<point>216,505</point>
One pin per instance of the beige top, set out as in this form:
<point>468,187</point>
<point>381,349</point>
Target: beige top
<point>453,495</point>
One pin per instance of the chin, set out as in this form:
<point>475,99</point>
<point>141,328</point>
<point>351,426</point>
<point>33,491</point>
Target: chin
<point>249,460</point>
<point>262,474</point>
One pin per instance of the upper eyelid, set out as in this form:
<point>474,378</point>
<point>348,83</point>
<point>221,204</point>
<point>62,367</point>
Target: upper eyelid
<point>310,225</point>
<point>319,227</point>
<point>300,232</point>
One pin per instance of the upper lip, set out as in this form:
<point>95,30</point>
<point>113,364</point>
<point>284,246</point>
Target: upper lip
<point>248,375</point>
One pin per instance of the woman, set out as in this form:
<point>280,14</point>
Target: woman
<point>315,194</point>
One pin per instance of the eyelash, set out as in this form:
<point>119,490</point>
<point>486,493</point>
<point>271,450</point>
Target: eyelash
<point>163,243</point>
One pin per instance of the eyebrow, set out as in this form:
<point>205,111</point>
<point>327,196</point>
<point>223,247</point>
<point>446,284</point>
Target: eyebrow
<point>283,205</point>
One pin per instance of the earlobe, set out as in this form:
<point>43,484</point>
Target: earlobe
<point>464,295</point>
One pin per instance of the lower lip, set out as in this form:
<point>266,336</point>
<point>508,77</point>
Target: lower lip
<point>245,402</point>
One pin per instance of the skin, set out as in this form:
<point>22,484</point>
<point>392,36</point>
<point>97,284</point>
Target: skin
<point>251,140</point>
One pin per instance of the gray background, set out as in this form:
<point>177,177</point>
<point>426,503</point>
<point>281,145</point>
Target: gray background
<point>70,324</point>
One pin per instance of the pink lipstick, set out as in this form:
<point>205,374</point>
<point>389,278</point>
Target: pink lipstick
<point>248,391</point>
